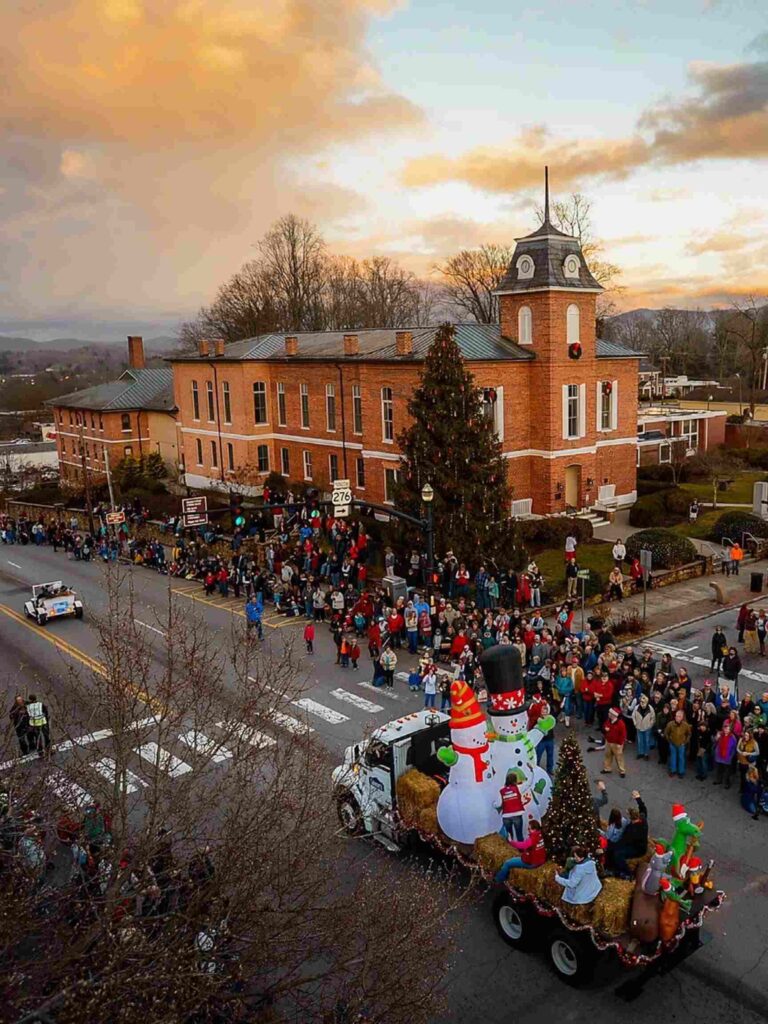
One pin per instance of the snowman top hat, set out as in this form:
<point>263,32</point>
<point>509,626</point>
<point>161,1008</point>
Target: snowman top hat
<point>465,709</point>
<point>503,673</point>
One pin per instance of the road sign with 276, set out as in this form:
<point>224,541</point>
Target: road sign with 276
<point>341,498</point>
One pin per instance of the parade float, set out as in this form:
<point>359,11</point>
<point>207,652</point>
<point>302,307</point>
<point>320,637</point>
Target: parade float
<point>438,779</point>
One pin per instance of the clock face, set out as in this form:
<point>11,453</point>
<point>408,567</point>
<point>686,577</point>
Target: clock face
<point>525,267</point>
<point>572,266</point>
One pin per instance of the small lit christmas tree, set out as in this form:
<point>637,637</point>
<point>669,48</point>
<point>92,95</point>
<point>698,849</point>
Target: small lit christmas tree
<point>571,819</point>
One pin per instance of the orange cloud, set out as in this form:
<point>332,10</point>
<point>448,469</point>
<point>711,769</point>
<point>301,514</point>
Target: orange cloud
<point>727,119</point>
<point>721,241</point>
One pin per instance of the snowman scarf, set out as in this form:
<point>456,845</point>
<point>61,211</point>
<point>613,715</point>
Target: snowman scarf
<point>475,753</point>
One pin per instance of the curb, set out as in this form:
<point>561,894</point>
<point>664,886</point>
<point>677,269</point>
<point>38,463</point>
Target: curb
<point>705,615</point>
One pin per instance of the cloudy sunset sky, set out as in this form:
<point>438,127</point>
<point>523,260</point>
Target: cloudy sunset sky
<point>146,144</point>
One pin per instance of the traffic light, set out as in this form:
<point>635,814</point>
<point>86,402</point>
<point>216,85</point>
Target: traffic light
<point>239,517</point>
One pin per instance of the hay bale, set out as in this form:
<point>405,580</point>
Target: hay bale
<point>416,792</point>
<point>427,821</point>
<point>491,851</point>
<point>579,913</point>
<point>611,909</point>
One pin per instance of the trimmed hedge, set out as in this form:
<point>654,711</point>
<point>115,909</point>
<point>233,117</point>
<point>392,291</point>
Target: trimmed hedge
<point>669,549</point>
<point>755,458</point>
<point>538,534</point>
<point>733,524</point>
<point>662,471</point>
<point>666,507</point>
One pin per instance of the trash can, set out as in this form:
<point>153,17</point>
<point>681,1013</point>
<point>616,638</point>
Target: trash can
<point>756,582</point>
<point>394,586</point>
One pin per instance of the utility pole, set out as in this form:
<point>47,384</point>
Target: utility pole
<point>109,479</point>
<point>86,482</point>
<point>663,360</point>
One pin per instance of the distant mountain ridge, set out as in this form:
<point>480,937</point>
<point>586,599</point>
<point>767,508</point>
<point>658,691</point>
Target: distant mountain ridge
<point>158,345</point>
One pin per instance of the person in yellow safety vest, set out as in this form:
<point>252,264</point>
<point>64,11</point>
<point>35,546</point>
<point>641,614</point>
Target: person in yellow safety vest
<point>737,553</point>
<point>39,727</point>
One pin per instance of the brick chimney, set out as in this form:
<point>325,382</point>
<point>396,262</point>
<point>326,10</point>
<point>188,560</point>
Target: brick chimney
<point>136,353</point>
<point>403,343</point>
<point>202,348</point>
<point>218,347</point>
<point>351,345</point>
<point>291,345</point>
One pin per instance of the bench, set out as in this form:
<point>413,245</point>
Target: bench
<point>606,498</point>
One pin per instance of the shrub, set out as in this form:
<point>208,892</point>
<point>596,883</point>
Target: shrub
<point>661,472</point>
<point>668,549</point>
<point>756,458</point>
<point>665,506</point>
<point>538,534</point>
<point>734,524</point>
<point>651,486</point>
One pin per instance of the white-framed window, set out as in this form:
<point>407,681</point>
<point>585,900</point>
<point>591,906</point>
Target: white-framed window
<point>199,448</point>
<point>387,416</point>
<point>304,394</point>
<point>285,462</point>
<point>230,456</point>
<point>262,458</point>
<point>195,401</point>
<point>357,409</point>
<point>227,401</point>
<point>259,402</point>
<point>390,483</point>
<point>572,324</point>
<point>307,459</point>
<point>214,455</point>
<point>330,407</point>
<point>209,399</point>
<point>492,404</point>
<point>665,452</point>
<point>282,420</point>
<point>607,405</point>
<point>574,411</point>
<point>128,451</point>
<point>689,431</point>
<point>360,469</point>
<point>525,326</point>
<point>333,467</point>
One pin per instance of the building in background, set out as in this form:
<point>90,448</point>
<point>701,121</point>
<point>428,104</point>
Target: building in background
<point>131,416</point>
<point>324,406</point>
<point>659,429</point>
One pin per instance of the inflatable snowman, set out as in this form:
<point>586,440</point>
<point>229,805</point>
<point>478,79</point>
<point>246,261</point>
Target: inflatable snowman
<point>466,808</point>
<point>514,744</point>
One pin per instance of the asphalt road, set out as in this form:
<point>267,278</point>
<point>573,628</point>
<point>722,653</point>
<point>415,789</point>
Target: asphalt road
<point>488,981</point>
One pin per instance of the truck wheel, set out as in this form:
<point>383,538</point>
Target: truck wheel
<point>513,921</point>
<point>349,814</point>
<point>26,612</point>
<point>78,613</point>
<point>42,618</point>
<point>571,956</point>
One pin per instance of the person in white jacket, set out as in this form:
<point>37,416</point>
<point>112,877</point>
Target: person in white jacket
<point>581,885</point>
<point>644,719</point>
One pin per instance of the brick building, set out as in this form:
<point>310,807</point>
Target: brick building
<point>322,406</point>
<point>694,430</point>
<point>133,415</point>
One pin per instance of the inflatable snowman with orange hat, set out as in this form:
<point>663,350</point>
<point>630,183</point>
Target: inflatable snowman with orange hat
<point>465,810</point>
<point>513,743</point>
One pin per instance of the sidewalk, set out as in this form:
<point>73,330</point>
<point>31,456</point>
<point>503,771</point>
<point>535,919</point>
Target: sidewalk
<point>692,599</point>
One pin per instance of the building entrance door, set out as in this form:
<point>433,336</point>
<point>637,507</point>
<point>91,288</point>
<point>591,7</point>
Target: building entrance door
<point>572,485</point>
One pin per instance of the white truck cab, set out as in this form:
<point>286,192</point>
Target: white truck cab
<point>365,783</point>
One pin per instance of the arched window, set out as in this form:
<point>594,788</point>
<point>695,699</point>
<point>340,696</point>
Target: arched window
<point>525,326</point>
<point>572,323</point>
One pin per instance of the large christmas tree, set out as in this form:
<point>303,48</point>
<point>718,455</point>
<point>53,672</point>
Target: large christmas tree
<point>571,819</point>
<point>452,445</point>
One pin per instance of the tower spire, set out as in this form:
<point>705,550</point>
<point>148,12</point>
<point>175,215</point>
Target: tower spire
<point>546,195</point>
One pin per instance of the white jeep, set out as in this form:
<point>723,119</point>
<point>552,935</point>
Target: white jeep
<point>52,601</point>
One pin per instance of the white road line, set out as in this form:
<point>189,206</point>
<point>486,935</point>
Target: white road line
<point>247,734</point>
<point>14,564</point>
<point>83,741</point>
<point>142,723</point>
<point>163,759</point>
<point>205,746</point>
<point>291,724</point>
<point>746,673</point>
<point>25,759</point>
<point>314,708</point>
<point>69,792</point>
<point>154,629</point>
<point>357,700</point>
<point>380,690</point>
<point>108,768</point>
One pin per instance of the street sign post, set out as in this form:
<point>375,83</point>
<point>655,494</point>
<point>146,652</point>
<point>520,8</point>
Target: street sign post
<point>194,506</point>
<point>195,519</point>
<point>646,563</point>
<point>583,575</point>
<point>341,498</point>
<point>115,518</point>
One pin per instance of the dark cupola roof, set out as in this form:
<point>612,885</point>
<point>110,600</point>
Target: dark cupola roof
<point>547,258</point>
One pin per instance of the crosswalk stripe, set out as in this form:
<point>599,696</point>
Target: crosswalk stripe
<point>315,708</point>
<point>69,792</point>
<point>205,746</point>
<point>381,691</point>
<point>107,767</point>
<point>357,700</point>
<point>291,724</point>
<point>247,734</point>
<point>163,759</point>
<point>81,741</point>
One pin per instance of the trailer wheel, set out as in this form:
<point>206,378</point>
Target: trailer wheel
<point>571,956</point>
<point>349,814</point>
<point>42,618</point>
<point>513,921</point>
<point>78,613</point>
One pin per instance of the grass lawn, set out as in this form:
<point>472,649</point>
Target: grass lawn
<point>738,493</point>
<point>702,528</point>
<point>595,556</point>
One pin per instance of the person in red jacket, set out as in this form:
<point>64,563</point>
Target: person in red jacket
<point>603,689</point>
<point>532,853</point>
<point>396,625</point>
<point>615,738</point>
